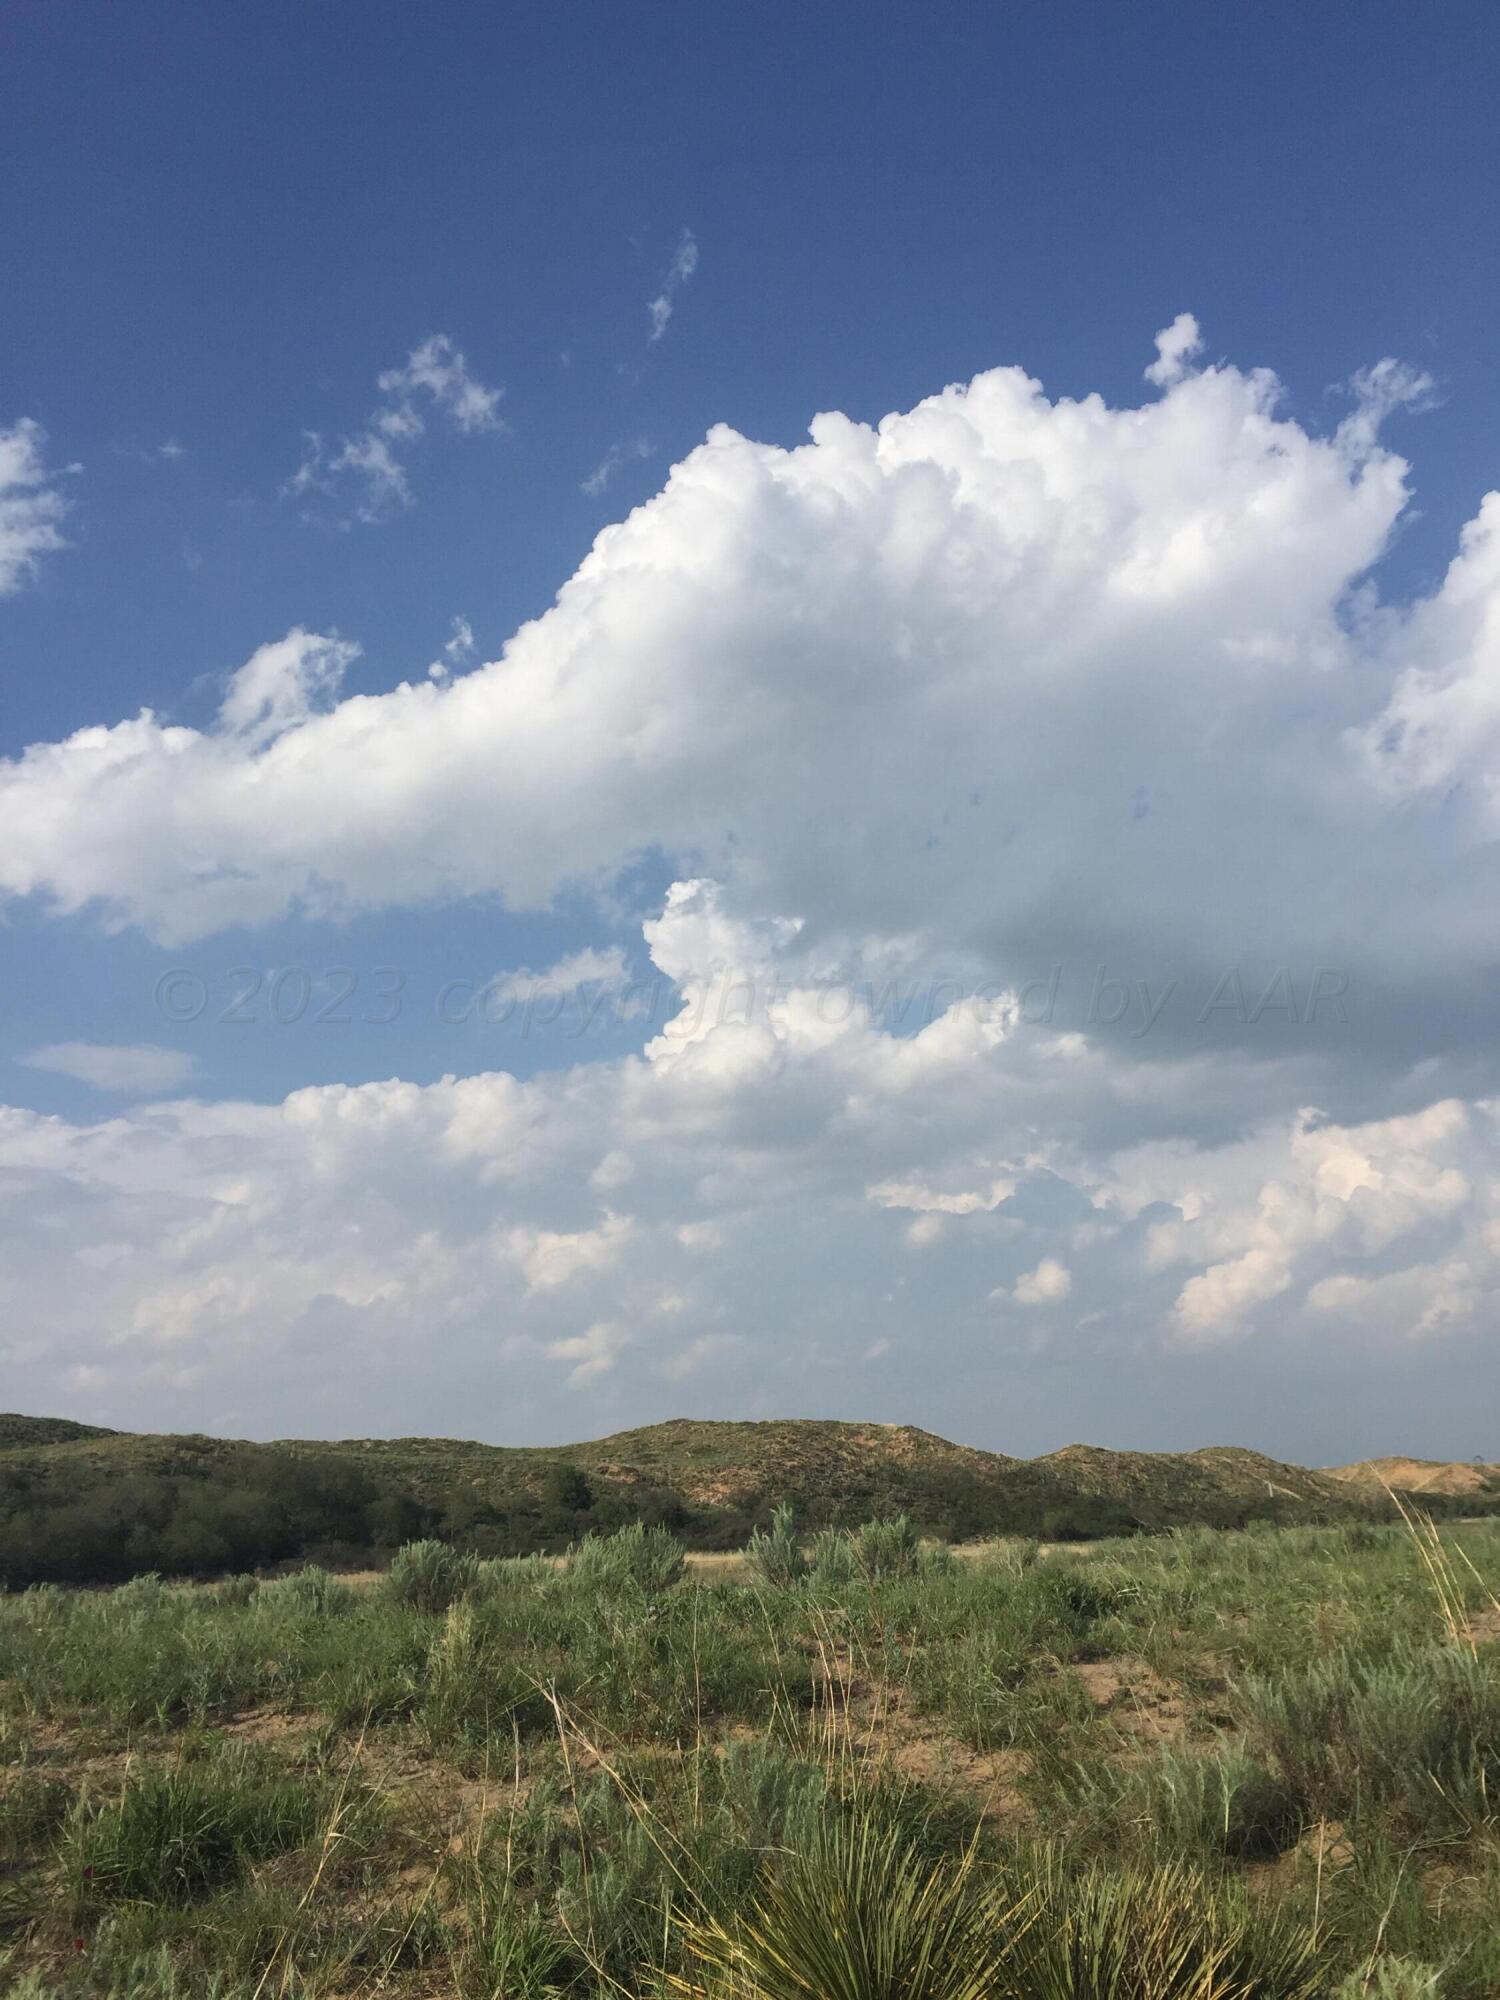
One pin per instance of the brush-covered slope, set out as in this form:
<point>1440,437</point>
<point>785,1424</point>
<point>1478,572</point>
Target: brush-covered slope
<point>1192,1484</point>
<point>18,1430</point>
<point>198,1502</point>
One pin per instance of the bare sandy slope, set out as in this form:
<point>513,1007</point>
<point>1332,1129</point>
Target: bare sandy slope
<point>1420,1475</point>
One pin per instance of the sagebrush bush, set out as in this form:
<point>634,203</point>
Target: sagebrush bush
<point>1188,1802</point>
<point>429,1576</point>
<point>890,1547</point>
<point>1417,1733</point>
<point>309,1592</point>
<point>777,1556</point>
<point>645,1559</point>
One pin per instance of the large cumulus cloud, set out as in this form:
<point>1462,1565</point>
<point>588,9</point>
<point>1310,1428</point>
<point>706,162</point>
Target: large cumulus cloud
<point>999,685</point>
<point>997,671</point>
<point>765,1207</point>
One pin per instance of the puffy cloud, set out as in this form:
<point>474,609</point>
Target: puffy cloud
<point>31,505</point>
<point>999,681</point>
<point>923,709</point>
<point>1047,1285</point>
<point>551,1257</point>
<point>569,975</point>
<point>1176,346</point>
<point>769,1177</point>
<point>592,1353</point>
<point>1267,1215</point>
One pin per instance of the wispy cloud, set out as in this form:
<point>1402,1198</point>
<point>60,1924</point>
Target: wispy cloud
<point>458,649</point>
<point>659,310</point>
<point>569,975</point>
<point>369,465</point>
<point>30,505</point>
<point>593,1353</point>
<point>135,1069</point>
<point>617,455</point>
<point>168,452</point>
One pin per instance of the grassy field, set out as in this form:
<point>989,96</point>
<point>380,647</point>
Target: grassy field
<point>1210,1765</point>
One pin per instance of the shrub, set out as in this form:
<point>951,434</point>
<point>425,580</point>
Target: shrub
<point>306,1593</point>
<point>888,1548</point>
<point>1418,1734</point>
<point>646,1559</point>
<point>778,1558</point>
<point>1192,1803</point>
<point>831,1559</point>
<point>429,1576</point>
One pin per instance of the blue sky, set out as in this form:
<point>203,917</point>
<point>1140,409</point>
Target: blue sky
<point>231,232</point>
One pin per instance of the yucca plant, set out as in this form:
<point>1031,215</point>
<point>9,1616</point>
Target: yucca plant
<point>857,1915</point>
<point>1150,1934</point>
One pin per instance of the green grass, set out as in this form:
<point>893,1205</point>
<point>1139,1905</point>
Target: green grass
<point>1224,1766</point>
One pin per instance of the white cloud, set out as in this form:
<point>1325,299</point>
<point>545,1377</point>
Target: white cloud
<point>593,1353</point>
<point>439,370</point>
<point>699,1356</point>
<point>998,685</point>
<point>984,624</point>
<point>136,1069</point>
<point>31,506</point>
<point>367,470</point>
<point>458,650</point>
<point>1047,1285</point>
<point>1269,1214</point>
<point>912,1194</point>
<point>1177,346</point>
<point>551,1257</point>
<point>249,1246</point>
<point>283,685</point>
<point>684,263</point>
<point>617,455</point>
<point>580,969</point>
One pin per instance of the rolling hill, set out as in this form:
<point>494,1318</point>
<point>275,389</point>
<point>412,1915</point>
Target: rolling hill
<point>79,1503</point>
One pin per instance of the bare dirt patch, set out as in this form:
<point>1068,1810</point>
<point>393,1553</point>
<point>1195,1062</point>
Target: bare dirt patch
<point>1134,1696</point>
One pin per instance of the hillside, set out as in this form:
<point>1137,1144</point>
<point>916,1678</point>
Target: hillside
<point>82,1504</point>
<point>16,1430</point>
<point>1455,1478</point>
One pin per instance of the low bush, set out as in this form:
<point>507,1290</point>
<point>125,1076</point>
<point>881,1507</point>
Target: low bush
<point>429,1576</point>
<point>645,1559</point>
<point>777,1557</point>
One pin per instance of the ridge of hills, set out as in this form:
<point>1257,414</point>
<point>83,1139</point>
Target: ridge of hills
<point>80,1503</point>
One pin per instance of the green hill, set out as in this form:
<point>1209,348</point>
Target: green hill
<point>45,1430</point>
<point>83,1504</point>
